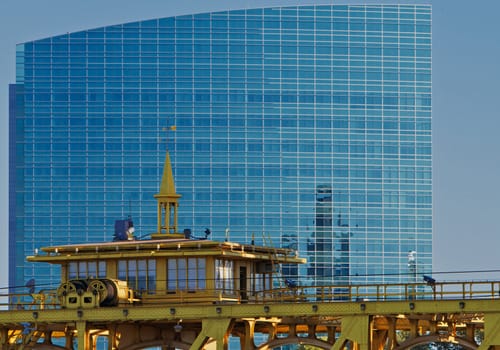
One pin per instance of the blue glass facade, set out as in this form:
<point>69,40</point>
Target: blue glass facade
<point>306,126</point>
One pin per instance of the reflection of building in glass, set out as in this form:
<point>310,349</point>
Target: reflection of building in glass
<point>328,247</point>
<point>289,241</point>
<point>341,249</point>
<point>321,252</point>
<point>269,106</point>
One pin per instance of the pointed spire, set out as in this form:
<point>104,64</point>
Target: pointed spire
<point>168,203</point>
<point>167,181</point>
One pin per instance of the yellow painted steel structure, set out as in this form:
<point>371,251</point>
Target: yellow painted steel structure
<point>464,313</point>
<point>201,293</point>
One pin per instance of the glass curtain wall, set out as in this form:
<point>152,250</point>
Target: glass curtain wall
<point>307,127</point>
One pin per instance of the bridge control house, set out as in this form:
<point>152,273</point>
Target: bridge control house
<point>170,267</point>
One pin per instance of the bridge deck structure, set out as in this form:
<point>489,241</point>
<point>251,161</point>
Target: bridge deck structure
<point>359,317</point>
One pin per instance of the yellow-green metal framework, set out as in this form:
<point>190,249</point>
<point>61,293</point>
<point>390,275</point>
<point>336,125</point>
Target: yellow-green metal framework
<point>384,323</point>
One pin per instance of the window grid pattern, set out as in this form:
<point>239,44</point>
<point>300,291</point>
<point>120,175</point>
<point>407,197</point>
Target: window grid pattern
<point>139,273</point>
<point>310,125</point>
<point>86,270</point>
<point>186,274</point>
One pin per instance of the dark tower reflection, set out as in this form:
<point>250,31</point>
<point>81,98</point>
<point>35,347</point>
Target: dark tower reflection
<point>328,248</point>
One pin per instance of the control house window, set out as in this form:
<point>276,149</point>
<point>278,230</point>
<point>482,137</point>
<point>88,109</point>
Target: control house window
<point>86,269</point>
<point>224,278</point>
<point>140,274</point>
<point>186,274</point>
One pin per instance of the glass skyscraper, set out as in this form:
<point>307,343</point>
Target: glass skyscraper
<point>305,127</point>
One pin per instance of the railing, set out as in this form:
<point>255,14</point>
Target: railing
<point>35,301</point>
<point>385,292</point>
<point>338,293</point>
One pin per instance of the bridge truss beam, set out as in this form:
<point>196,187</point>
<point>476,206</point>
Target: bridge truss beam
<point>366,325</point>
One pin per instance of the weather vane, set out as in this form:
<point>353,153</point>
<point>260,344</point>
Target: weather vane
<point>170,128</point>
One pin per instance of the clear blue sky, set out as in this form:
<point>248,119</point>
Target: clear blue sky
<point>466,113</point>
